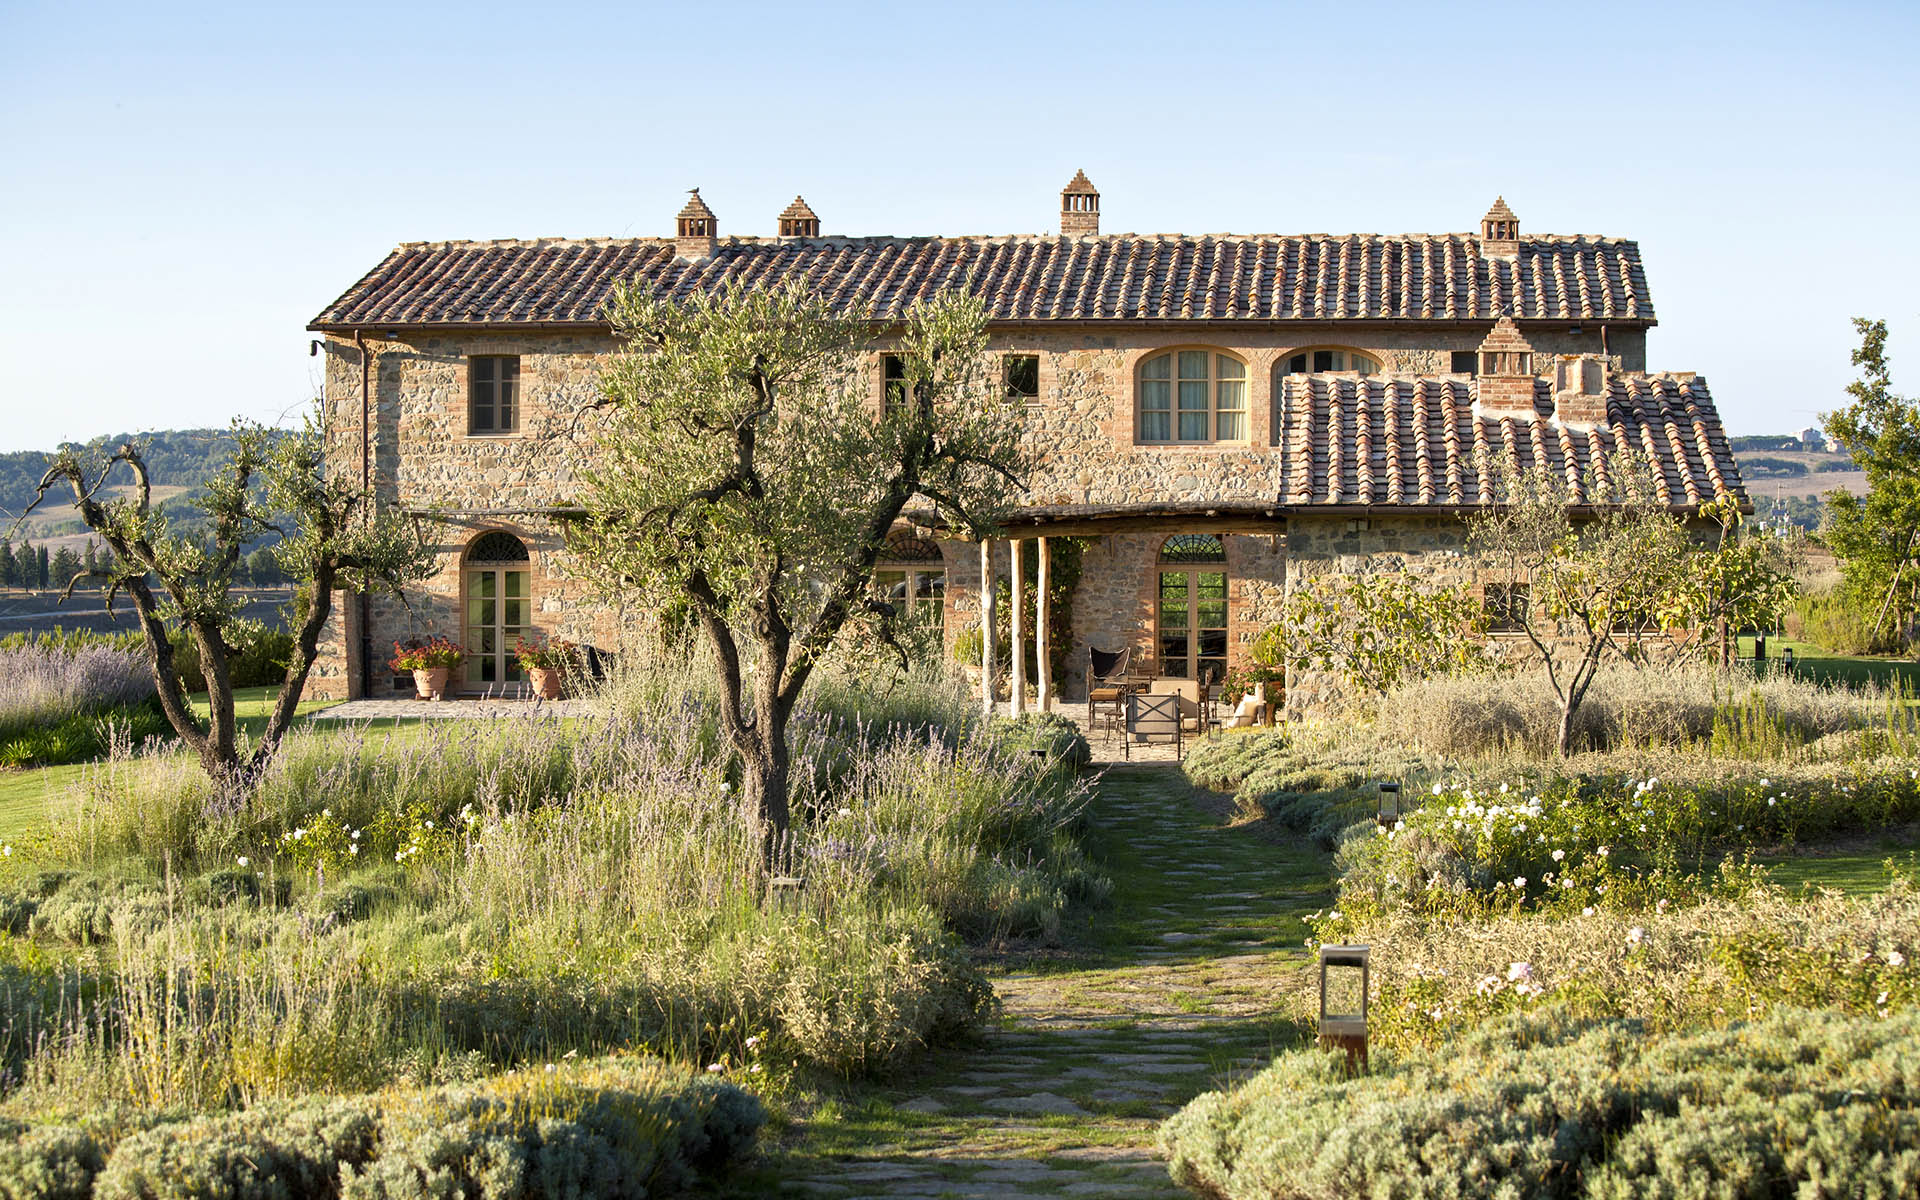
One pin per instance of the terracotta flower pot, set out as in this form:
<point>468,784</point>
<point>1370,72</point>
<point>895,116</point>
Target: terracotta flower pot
<point>430,683</point>
<point>546,683</point>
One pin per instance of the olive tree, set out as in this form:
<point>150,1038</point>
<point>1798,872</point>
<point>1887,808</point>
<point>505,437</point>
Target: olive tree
<point>329,540</point>
<point>1584,587</point>
<point>746,474</point>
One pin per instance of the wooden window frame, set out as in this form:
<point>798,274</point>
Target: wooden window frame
<point>1216,383</point>
<point>501,373</point>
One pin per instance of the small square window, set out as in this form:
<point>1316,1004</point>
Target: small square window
<point>1463,362</point>
<point>1507,606</point>
<point>493,393</point>
<point>1021,374</point>
<point>893,376</point>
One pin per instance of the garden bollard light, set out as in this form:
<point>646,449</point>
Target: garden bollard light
<point>786,891</point>
<point>1344,986</point>
<point>1389,811</point>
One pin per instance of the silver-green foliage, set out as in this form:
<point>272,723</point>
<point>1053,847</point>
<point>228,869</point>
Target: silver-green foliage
<point>617,1128</point>
<point>1799,1104</point>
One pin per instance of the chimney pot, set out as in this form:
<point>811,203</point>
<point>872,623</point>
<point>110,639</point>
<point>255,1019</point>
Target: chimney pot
<point>696,230</point>
<point>1079,207</point>
<point>1500,231</point>
<point>798,220</point>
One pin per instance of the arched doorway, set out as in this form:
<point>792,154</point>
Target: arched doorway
<point>499,610</point>
<point>1191,608</point>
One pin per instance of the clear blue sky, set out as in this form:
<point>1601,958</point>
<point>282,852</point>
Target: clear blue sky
<point>186,185</point>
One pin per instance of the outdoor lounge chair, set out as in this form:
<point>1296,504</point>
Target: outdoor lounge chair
<point>1154,718</point>
<point>1107,687</point>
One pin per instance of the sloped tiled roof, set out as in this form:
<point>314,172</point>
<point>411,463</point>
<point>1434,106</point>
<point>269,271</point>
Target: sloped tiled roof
<point>1417,440</point>
<point>1124,277</point>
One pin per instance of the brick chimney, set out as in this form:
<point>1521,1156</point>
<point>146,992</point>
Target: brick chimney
<point>799,221</point>
<point>1500,231</point>
<point>1079,207</point>
<point>696,230</point>
<point>1505,385</point>
<point>1580,389</point>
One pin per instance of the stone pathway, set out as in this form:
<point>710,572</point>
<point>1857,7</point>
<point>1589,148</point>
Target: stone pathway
<point>1175,994</point>
<point>449,710</point>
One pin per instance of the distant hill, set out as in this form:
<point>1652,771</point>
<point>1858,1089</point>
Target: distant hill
<point>179,459</point>
<point>1786,477</point>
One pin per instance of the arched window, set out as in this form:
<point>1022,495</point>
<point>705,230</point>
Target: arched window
<point>1193,396</point>
<point>1328,358</point>
<point>911,576</point>
<point>1191,608</point>
<point>499,609</point>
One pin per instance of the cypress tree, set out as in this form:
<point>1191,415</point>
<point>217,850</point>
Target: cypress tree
<point>46,575</point>
<point>7,568</point>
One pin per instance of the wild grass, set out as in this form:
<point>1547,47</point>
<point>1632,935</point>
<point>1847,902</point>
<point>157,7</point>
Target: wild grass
<point>1639,707</point>
<point>442,901</point>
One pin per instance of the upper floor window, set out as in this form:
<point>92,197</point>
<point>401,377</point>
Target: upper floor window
<point>1021,375</point>
<point>1317,362</point>
<point>493,393</point>
<point>1193,396</point>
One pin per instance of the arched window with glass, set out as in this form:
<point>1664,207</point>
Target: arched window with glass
<point>499,609</point>
<point>1193,396</point>
<point>1191,608</point>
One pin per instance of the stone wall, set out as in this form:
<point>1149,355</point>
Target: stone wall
<point>1080,433</point>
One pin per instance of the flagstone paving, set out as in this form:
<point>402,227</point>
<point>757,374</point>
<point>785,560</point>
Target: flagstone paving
<point>1174,988</point>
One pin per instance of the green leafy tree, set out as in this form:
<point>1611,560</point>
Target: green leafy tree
<point>9,570</point>
<point>66,564</point>
<point>1592,587</point>
<point>1375,631</point>
<point>1742,581</point>
<point>1878,535</point>
<point>272,483</point>
<point>745,473</point>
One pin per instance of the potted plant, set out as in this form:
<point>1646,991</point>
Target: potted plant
<point>431,662</point>
<point>545,663</point>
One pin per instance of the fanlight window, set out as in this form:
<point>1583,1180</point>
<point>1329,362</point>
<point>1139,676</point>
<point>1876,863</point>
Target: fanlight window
<point>1193,548</point>
<point>1193,396</point>
<point>905,548</point>
<point>497,547</point>
<point>1314,362</point>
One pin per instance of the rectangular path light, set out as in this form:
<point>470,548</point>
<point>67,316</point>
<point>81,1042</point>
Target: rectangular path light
<point>1345,982</point>
<point>1389,811</point>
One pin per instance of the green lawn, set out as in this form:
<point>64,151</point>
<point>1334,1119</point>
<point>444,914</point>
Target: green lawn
<point>24,794</point>
<point>1824,666</point>
<point>1854,871</point>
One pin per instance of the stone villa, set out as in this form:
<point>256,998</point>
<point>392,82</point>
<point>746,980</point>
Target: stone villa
<point>1223,414</point>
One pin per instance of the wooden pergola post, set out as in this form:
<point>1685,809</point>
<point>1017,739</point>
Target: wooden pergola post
<point>986,626</point>
<point>1041,664</point>
<point>1018,666</point>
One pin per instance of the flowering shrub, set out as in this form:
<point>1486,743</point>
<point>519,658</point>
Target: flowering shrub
<point>1668,966</point>
<point>60,702</point>
<point>1542,1104</point>
<point>557,655</point>
<point>1569,842</point>
<point>425,656</point>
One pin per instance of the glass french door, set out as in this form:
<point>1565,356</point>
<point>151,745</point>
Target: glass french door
<point>499,613</point>
<point>1193,623</point>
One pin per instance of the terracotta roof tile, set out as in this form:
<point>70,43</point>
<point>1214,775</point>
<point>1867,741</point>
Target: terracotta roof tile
<point>1381,439</point>
<point>1112,278</point>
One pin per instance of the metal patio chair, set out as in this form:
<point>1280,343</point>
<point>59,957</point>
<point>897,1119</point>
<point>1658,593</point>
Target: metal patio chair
<point>1155,718</point>
<point>1107,687</point>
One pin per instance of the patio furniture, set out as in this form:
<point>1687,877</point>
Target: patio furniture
<point>1154,719</point>
<point>1251,710</point>
<point>1107,688</point>
<point>1188,693</point>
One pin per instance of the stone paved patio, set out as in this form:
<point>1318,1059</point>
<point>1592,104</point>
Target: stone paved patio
<point>448,710</point>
